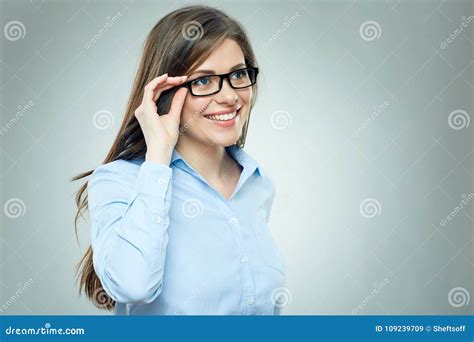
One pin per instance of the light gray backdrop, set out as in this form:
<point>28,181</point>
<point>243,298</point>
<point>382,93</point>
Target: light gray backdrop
<point>363,120</point>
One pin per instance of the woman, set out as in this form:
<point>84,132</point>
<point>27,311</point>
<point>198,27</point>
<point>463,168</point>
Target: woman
<point>178,210</point>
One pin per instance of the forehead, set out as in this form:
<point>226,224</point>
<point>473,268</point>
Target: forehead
<point>224,57</point>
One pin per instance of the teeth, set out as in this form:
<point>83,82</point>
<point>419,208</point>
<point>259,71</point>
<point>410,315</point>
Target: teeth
<point>222,117</point>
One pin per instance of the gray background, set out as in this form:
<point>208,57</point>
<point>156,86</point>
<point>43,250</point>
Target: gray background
<point>345,118</point>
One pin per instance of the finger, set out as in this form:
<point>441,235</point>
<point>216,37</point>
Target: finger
<point>161,90</point>
<point>151,86</point>
<point>171,82</point>
<point>178,102</point>
<point>150,95</point>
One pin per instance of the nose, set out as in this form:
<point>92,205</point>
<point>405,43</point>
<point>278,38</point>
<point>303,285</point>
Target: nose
<point>227,95</point>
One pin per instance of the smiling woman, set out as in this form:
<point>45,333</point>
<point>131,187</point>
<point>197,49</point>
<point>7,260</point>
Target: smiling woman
<point>178,209</point>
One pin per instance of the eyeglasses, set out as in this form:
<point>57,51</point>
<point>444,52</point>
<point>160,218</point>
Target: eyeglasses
<point>212,84</point>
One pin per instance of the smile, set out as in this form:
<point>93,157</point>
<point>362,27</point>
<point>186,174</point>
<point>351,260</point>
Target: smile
<point>224,119</point>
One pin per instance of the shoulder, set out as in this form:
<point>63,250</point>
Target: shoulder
<point>267,187</point>
<point>246,158</point>
<point>119,170</point>
<point>267,181</point>
<point>266,177</point>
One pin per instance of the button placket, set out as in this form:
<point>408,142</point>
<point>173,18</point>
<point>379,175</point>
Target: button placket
<point>246,270</point>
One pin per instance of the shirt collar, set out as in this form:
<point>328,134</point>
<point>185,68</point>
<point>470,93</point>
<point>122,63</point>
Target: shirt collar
<point>249,164</point>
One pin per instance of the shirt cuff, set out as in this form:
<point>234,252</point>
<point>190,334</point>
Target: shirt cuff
<point>153,179</point>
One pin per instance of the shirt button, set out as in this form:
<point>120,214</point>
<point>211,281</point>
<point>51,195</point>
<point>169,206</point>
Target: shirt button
<point>233,220</point>
<point>250,301</point>
<point>244,259</point>
<point>161,181</point>
<point>158,219</point>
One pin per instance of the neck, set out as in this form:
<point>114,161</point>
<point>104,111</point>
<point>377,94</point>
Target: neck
<point>210,161</point>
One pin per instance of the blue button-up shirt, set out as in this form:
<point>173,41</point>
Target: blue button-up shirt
<point>166,242</point>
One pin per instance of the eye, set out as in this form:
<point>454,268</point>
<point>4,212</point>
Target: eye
<point>239,74</point>
<point>203,81</point>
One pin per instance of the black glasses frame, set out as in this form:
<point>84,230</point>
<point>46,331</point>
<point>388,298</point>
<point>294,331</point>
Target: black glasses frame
<point>221,81</point>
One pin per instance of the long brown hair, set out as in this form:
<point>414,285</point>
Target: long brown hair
<point>176,45</point>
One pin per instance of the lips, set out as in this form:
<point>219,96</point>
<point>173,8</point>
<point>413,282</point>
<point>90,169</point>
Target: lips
<point>223,116</point>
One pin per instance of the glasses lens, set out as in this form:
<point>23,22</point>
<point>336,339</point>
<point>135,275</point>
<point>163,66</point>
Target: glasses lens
<point>205,85</point>
<point>242,78</point>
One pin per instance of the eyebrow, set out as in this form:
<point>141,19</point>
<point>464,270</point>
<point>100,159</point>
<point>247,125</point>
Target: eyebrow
<point>212,72</point>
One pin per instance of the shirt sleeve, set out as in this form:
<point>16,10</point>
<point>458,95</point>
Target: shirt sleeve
<point>129,221</point>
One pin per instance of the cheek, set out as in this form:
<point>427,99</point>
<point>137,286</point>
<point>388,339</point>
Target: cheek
<point>245,100</point>
<point>246,97</point>
<point>193,108</point>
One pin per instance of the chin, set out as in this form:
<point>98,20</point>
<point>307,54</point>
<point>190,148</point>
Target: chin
<point>225,141</point>
<point>222,136</point>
